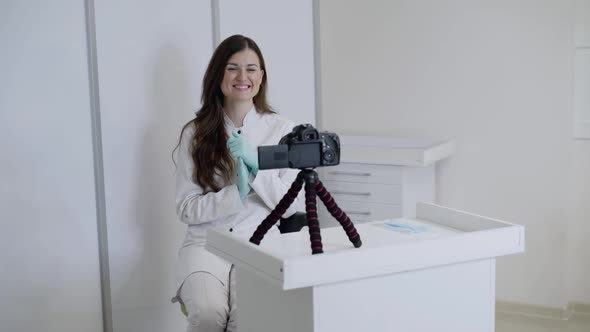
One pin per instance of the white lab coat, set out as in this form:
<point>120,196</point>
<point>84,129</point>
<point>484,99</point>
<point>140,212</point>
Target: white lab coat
<point>224,210</point>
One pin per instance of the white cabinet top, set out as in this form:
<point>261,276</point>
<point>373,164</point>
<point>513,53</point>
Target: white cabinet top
<point>393,150</point>
<point>437,236</point>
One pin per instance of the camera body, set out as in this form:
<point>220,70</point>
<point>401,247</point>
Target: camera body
<point>304,147</point>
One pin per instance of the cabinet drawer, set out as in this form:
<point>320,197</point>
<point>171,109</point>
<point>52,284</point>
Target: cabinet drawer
<point>364,192</point>
<point>364,173</point>
<point>358,211</point>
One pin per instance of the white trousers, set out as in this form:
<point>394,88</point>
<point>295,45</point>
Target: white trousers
<point>210,302</point>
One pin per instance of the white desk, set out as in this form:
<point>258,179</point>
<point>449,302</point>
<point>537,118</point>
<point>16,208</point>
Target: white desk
<point>440,280</point>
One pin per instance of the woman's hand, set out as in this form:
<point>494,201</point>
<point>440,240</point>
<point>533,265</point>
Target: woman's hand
<point>239,148</point>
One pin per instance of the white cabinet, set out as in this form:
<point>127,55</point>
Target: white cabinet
<point>382,177</point>
<point>396,281</point>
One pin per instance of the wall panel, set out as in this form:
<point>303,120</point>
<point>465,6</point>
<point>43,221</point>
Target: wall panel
<point>49,278</point>
<point>151,60</point>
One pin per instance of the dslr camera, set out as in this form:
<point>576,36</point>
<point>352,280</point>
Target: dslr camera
<point>302,148</point>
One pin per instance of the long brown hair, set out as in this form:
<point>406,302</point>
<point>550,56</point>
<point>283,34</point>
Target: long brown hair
<point>207,147</point>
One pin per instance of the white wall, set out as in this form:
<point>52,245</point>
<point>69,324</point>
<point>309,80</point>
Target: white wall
<point>49,279</point>
<point>579,230</point>
<point>579,227</point>
<point>151,60</point>
<point>582,70</point>
<point>284,32</point>
<point>497,77</point>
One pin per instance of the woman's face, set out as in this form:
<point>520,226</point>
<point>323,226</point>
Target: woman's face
<point>242,76</point>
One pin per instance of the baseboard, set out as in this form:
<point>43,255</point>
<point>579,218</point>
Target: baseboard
<point>580,308</point>
<point>525,309</point>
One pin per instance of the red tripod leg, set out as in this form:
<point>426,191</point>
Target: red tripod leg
<point>338,214</point>
<point>278,211</point>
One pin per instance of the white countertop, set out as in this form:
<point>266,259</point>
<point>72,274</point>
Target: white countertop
<point>393,150</point>
<point>450,236</point>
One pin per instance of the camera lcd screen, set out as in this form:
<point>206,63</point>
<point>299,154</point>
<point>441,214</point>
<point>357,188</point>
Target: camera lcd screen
<point>307,154</point>
<point>273,156</point>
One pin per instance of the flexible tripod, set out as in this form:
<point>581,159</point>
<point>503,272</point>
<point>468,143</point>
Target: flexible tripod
<point>313,188</point>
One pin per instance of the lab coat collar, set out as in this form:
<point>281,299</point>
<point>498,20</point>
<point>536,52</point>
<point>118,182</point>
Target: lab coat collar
<point>229,125</point>
<point>250,117</point>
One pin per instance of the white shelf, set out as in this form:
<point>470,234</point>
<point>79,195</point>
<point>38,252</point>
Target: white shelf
<point>393,150</point>
<point>454,236</point>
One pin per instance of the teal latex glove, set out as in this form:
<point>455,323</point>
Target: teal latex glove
<point>239,148</point>
<point>243,174</point>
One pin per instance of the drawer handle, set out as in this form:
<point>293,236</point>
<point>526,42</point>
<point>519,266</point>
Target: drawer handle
<point>362,213</point>
<point>349,173</point>
<point>340,192</point>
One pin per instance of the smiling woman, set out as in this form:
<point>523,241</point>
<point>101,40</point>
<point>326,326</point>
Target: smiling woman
<point>243,75</point>
<point>218,184</point>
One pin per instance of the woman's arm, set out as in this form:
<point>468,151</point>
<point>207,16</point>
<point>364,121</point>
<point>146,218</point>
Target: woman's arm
<point>193,205</point>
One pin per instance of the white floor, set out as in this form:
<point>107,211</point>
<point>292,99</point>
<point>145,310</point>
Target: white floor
<point>169,318</point>
<point>519,323</point>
